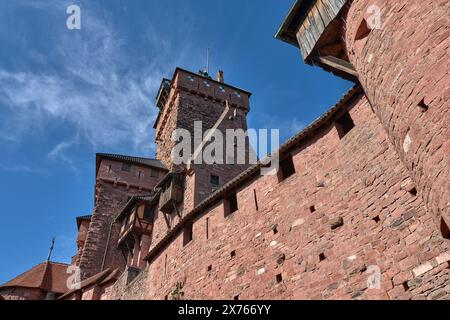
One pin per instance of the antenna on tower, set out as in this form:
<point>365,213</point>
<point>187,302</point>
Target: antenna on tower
<point>51,249</point>
<point>207,60</point>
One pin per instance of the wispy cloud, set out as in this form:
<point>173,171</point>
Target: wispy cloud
<point>93,91</point>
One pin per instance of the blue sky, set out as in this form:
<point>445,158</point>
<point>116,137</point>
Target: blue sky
<point>65,95</point>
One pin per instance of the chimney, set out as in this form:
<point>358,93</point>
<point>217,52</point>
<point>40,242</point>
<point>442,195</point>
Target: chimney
<point>220,76</point>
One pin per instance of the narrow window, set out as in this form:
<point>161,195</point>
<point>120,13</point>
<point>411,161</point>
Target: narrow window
<point>445,230</point>
<point>405,286</point>
<point>256,199</point>
<point>108,169</point>
<point>287,168</point>
<point>413,192</point>
<point>363,30</point>
<point>126,167</point>
<point>187,234</point>
<point>209,268</point>
<point>275,229</point>
<point>279,278</point>
<point>322,256</point>
<point>154,173</point>
<point>236,297</point>
<point>312,209</point>
<point>214,180</point>
<point>140,174</point>
<point>230,205</point>
<point>423,106</point>
<point>165,265</point>
<point>376,219</point>
<point>207,228</point>
<point>233,254</point>
<point>344,125</point>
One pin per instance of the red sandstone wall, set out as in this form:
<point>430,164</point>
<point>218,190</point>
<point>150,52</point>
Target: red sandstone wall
<point>82,234</point>
<point>359,179</point>
<point>401,65</point>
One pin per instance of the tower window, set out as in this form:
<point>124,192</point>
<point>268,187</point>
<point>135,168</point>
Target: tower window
<point>140,174</point>
<point>126,167</point>
<point>215,180</point>
<point>154,173</point>
<point>230,204</point>
<point>108,169</point>
<point>287,168</point>
<point>187,234</point>
<point>344,125</point>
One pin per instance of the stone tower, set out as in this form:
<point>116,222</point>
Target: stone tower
<point>191,99</point>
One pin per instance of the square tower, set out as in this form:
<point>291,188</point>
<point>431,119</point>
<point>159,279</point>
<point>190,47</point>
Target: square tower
<point>194,103</point>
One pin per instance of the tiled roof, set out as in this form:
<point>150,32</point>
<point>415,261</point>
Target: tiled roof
<point>136,160</point>
<point>98,278</point>
<point>88,217</point>
<point>48,276</point>
<point>250,172</point>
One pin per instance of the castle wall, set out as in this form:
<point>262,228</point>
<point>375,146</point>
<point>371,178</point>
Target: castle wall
<point>349,209</point>
<point>403,67</point>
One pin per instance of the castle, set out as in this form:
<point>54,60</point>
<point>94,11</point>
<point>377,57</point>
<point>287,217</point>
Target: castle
<point>359,207</point>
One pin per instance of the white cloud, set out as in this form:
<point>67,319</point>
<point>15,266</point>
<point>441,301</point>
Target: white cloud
<point>92,91</point>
